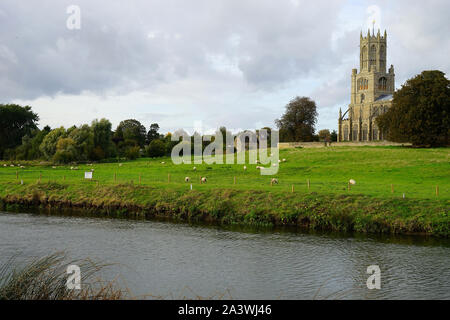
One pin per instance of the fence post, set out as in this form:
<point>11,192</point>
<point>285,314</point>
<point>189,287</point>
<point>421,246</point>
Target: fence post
<point>437,191</point>
<point>168,177</point>
<point>292,189</point>
<point>308,184</point>
<point>234,179</point>
<point>139,179</point>
<point>392,188</point>
<point>115,176</point>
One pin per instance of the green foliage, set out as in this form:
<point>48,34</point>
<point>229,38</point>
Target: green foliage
<point>153,134</point>
<point>325,135</point>
<point>15,123</point>
<point>156,148</point>
<point>66,151</point>
<point>48,145</point>
<point>420,113</point>
<point>83,139</point>
<point>103,146</point>
<point>132,153</point>
<point>131,129</point>
<point>299,120</point>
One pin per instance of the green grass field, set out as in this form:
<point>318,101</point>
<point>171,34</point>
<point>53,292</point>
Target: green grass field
<point>413,172</point>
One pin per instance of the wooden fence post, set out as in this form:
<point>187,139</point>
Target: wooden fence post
<point>308,183</point>
<point>115,176</point>
<point>139,179</point>
<point>168,177</point>
<point>234,179</point>
<point>392,188</point>
<point>292,189</point>
<point>437,191</point>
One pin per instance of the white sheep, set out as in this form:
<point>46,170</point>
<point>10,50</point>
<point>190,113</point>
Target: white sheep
<point>353,182</point>
<point>120,164</point>
<point>284,160</point>
<point>53,167</point>
<point>5,165</point>
<point>187,179</point>
<point>245,168</point>
<point>279,160</point>
<point>12,165</point>
<point>195,168</point>
<point>204,180</point>
<point>274,181</point>
<point>162,162</point>
<point>274,165</point>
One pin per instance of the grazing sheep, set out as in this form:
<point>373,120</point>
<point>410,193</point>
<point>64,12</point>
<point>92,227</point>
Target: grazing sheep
<point>5,165</point>
<point>279,160</point>
<point>71,168</point>
<point>245,168</point>
<point>284,160</point>
<point>274,165</point>
<point>92,169</point>
<point>274,181</point>
<point>352,181</point>
<point>53,167</point>
<point>204,179</point>
<point>22,167</point>
<point>162,162</point>
<point>257,162</point>
<point>120,164</point>
<point>195,168</point>
<point>12,165</point>
<point>187,179</point>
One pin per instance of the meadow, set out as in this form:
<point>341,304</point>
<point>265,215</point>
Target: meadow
<point>397,189</point>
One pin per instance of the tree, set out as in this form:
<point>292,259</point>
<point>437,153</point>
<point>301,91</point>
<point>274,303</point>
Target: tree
<point>83,138</point>
<point>324,135</point>
<point>48,145</point>
<point>15,123</point>
<point>66,150</point>
<point>334,136</point>
<point>103,146</point>
<point>299,120</point>
<point>131,129</point>
<point>420,111</point>
<point>153,134</point>
<point>156,148</point>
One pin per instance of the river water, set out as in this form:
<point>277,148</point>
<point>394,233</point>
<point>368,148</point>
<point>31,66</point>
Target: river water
<point>173,260</point>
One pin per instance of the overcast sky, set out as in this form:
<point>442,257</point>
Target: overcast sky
<point>219,62</point>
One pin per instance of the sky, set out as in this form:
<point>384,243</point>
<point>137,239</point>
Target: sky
<point>201,64</point>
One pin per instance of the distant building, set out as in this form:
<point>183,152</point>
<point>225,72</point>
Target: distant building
<point>371,93</point>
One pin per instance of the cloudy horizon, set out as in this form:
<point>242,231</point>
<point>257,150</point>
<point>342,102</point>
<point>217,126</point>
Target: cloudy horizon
<point>225,62</point>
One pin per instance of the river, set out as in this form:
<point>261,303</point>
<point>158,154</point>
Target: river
<point>175,260</point>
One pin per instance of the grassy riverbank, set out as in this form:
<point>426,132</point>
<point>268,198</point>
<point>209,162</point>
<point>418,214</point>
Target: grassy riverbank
<point>143,188</point>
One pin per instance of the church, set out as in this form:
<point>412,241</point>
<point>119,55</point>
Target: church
<point>371,91</point>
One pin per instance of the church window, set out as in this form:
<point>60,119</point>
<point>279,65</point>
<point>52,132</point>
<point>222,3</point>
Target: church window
<point>375,132</point>
<point>364,132</point>
<point>345,133</point>
<point>382,83</point>
<point>362,98</point>
<point>355,132</point>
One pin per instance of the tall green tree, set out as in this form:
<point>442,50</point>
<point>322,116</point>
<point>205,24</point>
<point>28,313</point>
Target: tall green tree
<point>299,120</point>
<point>420,111</point>
<point>131,129</point>
<point>103,145</point>
<point>49,143</point>
<point>153,133</point>
<point>15,122</point>
<point>83,139</point>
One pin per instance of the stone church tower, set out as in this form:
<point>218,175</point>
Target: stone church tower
<point>371,91</point>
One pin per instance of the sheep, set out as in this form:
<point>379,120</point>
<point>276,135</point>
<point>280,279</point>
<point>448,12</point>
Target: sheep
<point>257,162</point>
<point>204,180</point>
<point>351,181</point>
<point>274,181</point>
<point>5,165</point>
<point>279,160</point>
<point>162,162</point>
<point>22,167</point>
<point>195,168</point>
<point>284,160</point>
<point>12,165</point>
<point>71,168</point>
<point>274,165</point>
<point>187,179</point>
<point>245,168</point>
<point>53,167</point>
<point>120,164</point>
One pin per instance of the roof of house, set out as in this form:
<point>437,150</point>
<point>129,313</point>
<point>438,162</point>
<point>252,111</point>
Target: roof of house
<point>384,97</point>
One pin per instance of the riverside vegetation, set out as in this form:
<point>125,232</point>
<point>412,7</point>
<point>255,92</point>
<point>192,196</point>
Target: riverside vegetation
<point>398,190</point>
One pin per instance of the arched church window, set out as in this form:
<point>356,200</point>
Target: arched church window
<point>362,98</point>
<point>375,132</point>
<point>373,55</point>
<point>382,83</point>
<point>345,133</point>
<point>364,57</point>
<point>355,132</point>
<point>364,132</point>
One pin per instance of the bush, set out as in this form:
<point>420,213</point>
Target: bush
<point>156,148</point>
<point>132,153</point>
